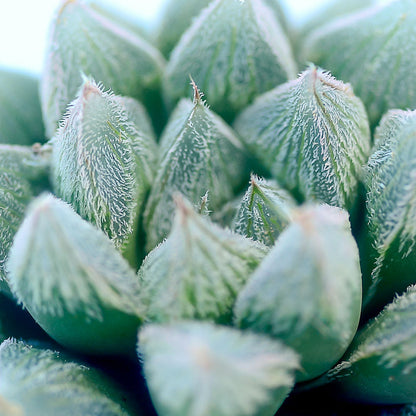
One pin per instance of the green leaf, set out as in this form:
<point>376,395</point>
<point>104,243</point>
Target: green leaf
<point>223,371</point>
<point>307,291</point>
<point>20,113</point>
<point>103,163</point>
<point>198,153</point>
<point>380,364</point>
<point>73,281</point>
<point>37,381</point>
<point>176,17</point>
<point>197,271</point>
<point>312,134</point>
<point>84,40</point>
<point>21,168</point>
<point>234,50</point>
<point>264,211</point>
<point>391,207</point>
<point>371,49</point>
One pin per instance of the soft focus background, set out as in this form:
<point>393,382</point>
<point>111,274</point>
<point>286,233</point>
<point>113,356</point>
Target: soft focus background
<point>24,25</point>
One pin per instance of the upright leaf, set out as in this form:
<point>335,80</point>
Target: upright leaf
<point>312,134</point>
<point>73,281</point>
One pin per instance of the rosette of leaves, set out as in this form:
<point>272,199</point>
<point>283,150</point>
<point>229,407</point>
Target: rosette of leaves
<point>377,62</point>
<point>104,162</point>
<point>223,371</point>
<point>197,272</point>
<point>23,170</point>
<point>20,113</point>
<point>198,152</point>
<point>307,291</point>
<point>264,211</point>
<point>235,50</point>
<point>313,136</point>
<point>391,207</point>
<point>72,280</point>
<point>380,364</point>
<point>83,39</point>
<point>39,381</point>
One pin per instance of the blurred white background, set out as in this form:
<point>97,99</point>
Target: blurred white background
<point>24,25</point>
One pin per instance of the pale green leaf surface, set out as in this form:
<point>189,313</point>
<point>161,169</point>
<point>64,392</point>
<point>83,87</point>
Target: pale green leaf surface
<point>83,40</point>
<point>20,166</point>
<point>197,272</point>
<point>264,211</point>
<point>103,163</point>
<point>234,50</point>
<point>73,281</point>
<point>199,153</point>
<point>391,205</point>
<point>20,113</point>
<point>307,291</point>
<point>380,365</point>
<point>223,372</point>
<point>38,381</point>
<point>312,134</point>
<point>374,49</point>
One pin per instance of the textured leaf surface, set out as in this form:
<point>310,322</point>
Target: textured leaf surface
<point>264,211</point>
<point>312,134</point>
<point>374,50</point>
<point>73,281</point>
<point>103,163</point>
<point>38,381</point>
<point>20,113</point>
<point>391,205</point>
<point>198,153</point>
<point>223,371</point>
<point>197,271</point>
<point>83,40</point>
<point>19,167</point>
<point>234,50</point>
<point>380,365</point>
<point>307,291</point>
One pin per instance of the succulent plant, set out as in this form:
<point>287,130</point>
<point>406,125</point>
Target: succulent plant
<point>241,256</point>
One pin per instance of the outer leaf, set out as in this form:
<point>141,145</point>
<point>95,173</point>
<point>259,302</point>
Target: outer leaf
<point>307,291</point>
<point>176,17</point>
<point>380,364</point>
<point>20,113</point>
<point>71,279</point>
<point>264,211</point>
<point>38,382</point>
<point>378,63</point>
<point>197,271</point>
<point>234,50</point>
<point>103,163</point>
<point>199,153</point>
<point>391,206</point>
<point>20,168</point>
<point>312,134</point>
<point>223,372</point>
<point>83,39</point>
